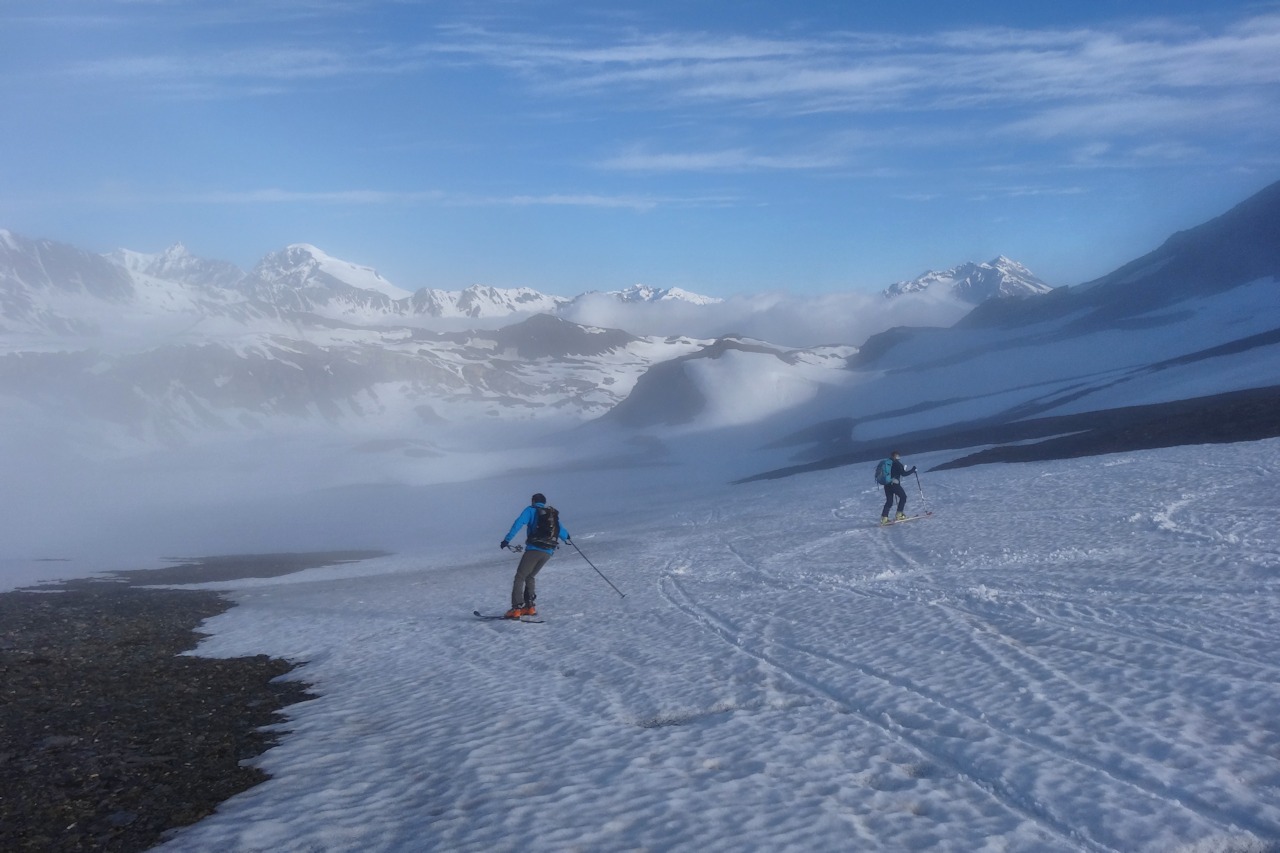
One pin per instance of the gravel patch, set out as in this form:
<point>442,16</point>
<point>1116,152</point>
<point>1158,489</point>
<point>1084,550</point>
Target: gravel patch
<point>109,736</point>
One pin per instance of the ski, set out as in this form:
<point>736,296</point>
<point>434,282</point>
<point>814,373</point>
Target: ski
<point>480,615</point>
<point>903,520</point>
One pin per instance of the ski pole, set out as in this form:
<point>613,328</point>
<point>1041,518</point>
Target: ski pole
<point>593,565</point>
<point>923,502</point>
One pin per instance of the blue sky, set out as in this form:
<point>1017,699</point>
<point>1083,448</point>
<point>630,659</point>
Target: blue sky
<point>723,147</point>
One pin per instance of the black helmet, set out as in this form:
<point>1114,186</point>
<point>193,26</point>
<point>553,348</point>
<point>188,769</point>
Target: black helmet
<point>539,498</point>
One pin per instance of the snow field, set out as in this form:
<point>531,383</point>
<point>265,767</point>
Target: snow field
<point>1073,656</point>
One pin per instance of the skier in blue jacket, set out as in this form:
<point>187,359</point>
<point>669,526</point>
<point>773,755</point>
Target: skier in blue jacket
<point>543,532</point>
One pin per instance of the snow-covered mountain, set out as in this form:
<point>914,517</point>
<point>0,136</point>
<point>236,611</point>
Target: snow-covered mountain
<point>976,283</point>
<point>170,348</point>
<point>303,279</point>
<point>302,284</point>
<point>482,301</point>
<point>644,293</point>
<point>177,264</point>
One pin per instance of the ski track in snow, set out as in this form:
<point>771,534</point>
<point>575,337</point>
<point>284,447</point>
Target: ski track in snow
<point>848,702</point>
<point>1076,656</point>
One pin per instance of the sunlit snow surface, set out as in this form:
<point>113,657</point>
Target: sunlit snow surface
<point>1068,656</point>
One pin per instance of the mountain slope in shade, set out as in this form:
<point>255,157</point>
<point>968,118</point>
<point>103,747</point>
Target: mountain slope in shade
<point>48,287</point>
<point>1196,321</point>
<point>1237,248</point>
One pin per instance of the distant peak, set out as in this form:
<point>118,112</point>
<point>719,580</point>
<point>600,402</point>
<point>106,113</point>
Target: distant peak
<point>305,248</point>
<point>646,293</point>
<point>1004,262</point>
<point>976,282</point>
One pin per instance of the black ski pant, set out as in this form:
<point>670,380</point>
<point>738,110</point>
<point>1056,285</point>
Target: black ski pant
<point>524,590</point>
<point>891,491</point>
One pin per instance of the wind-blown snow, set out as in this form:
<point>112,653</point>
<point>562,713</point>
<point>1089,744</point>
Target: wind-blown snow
<point>744,387</point>
<point>1072,656</point>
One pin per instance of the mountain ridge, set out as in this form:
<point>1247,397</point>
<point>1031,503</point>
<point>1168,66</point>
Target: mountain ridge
<point>302,279</point>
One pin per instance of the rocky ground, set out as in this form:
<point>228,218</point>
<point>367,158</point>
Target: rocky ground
<point>109,736</point>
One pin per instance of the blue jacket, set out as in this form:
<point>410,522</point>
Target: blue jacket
<point>526,519</point>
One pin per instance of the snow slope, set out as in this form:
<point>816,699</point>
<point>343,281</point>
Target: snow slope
<point>1075,656</point>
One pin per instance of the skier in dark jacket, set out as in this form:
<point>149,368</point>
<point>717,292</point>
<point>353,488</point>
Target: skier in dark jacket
<point>543,532</point>
<point>893,489</point>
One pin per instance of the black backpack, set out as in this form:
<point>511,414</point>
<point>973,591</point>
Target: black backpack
<point>545,532</point>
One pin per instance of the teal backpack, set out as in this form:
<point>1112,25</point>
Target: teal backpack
<point>884,472</point>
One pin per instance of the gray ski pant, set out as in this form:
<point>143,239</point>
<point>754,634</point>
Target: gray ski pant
<point>524,590</point>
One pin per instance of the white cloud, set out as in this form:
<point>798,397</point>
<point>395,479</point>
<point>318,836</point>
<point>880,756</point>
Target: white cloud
<point>1002,66</point>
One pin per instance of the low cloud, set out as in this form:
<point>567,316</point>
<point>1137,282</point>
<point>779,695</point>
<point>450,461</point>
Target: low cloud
<point>781,319</point>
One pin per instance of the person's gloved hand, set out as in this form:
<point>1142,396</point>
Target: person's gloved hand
<point>505,544</point>
<point>913,470</point>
